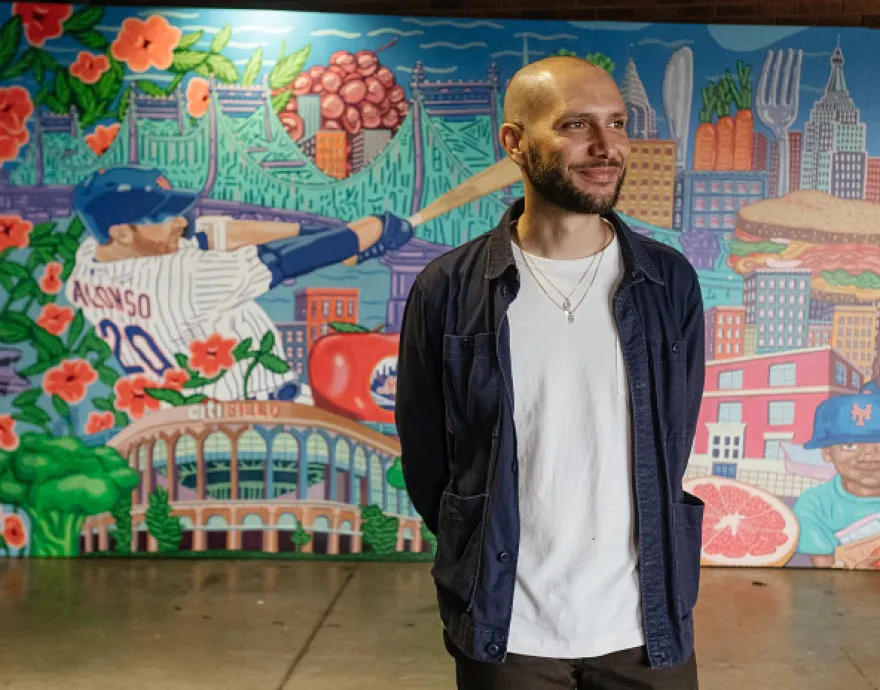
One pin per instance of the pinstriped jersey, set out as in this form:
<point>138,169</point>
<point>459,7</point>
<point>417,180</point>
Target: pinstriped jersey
<point>149,309</point>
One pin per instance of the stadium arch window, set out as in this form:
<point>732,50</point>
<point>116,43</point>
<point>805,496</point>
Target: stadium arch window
<point>285,465</point>
<point>346,535</point>
<point>361,486</point>
<point>185,460</point>
<point>252,531</point>
<point>218,458</point>
<point>318,457</point>
<point>286,526</point>
<point>377,481</point>
<point>343,479</point>
<point>160,467</point>
<point>217,530</point>
<point>186,537</point>
<point>252,453</point>
<point>321,534</point>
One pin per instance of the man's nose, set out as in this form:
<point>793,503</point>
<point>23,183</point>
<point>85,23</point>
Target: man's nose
<point>599,146</point>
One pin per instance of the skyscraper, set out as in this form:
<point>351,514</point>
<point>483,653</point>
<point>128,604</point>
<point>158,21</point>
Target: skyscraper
<point>642,119</point>
<point>834,158</point>
<point>647,192</point>
<point>795,159</point>
<point>759,151</point>
<point>777,301</point>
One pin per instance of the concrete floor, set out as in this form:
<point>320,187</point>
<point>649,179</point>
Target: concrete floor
<point>132,625</point>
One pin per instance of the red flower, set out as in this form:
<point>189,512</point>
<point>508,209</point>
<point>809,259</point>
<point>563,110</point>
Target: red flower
<point>11,143</point>
<point>99,421</point>
<point>211,355</point>
<point>174,379</point>
<point>50,283</point>
<point>198,96</point>
<point>55,319</point>
<point>102,138</point>
<point>70,380</point>
<point>145,44</point>
<point>15,108</point>
<point>89,68</point>
<point>42,21</point>
<point>131,397</point>
<point>8,437</point>
<point>14,533</point>
<point>14,232</point>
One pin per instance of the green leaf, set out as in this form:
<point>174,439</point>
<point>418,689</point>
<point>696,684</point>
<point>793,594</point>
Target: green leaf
<point>102,404</point>
<point>43,299</point>
<point>27,398</point>
<point>76,328</point>
<point>12,333</point>
<point>48,343</point>
<point>76,228</point>
<point>16,270</point>
<point>274,364</point>
<point>189,40</point>
<point>56,106</point>
<point>252,70</point>
<point>343,327</point>
<point>222,68</point>
<point>86,96</point>
<point>221,39</point>
<point>195,399</point>
<point>241,350</point>
<point>10,40</point>
<point>172,87</point>
<point>39,367</point>
<point>92,343</point>
<point>288,68</point>
<point>63,90</point>
<point>182,362</point>
<point>92,39</point>
<point>168,395</point>
<point>111,81</point>
<point>280,100</point>
<point>150,88</point>
<point>61,407</point>
<point>187,60</point>
<point>107,375</point>
<point>267,343</point>
<point>120,418</point>
<point>17,69</point>
<point>85,18</point>
<point>26,288</point>
<point>6,281</point>
<point>33,414</point>
<point>42,229</point>
<point>124,103</point>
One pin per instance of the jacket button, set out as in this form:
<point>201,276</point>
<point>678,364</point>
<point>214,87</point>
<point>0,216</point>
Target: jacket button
<point>675,347</point>
<point>504,557</point>
<point>493,649</point>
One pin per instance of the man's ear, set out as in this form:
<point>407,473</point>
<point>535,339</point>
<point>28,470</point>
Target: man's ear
<point>122,234</point>
<point>826,455</point>
<point>511,139</point>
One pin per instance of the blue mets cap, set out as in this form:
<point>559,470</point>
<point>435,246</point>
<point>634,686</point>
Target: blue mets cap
<point>846,419</point>
<point>128,195</point>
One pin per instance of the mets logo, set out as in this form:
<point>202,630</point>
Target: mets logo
<point>861,414</point>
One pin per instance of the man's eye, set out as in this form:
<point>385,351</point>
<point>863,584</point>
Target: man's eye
<point>620,124</point>
<point>850,446</point>
<point>575,124</point>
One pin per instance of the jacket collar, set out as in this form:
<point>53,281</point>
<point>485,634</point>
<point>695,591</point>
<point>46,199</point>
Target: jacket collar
<point>500,256</point>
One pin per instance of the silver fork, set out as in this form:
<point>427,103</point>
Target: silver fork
<point>777,104</point>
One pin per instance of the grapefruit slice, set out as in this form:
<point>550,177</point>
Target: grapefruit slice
<point>743,525</point>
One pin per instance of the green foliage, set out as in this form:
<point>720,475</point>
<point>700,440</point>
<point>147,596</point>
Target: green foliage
<point>10,38</point>
<point>300,537</point>
<point>394,476</point>
<point>379,530</point>
<point>288,68</point>
<point>598,59</point>
<point>221,39</point>
<point>252,69</point>
<point>122,515</point>
<point>162,525</point>
<point>189,40</point>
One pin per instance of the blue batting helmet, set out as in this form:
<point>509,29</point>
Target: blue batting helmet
<point>128,195</point>
<point>846,419</point>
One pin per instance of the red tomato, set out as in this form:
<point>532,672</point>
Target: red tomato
<point>355,375</point>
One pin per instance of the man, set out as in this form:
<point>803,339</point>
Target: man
<point>549,381</point>
<point>840,519</point>
<point>152,280</point>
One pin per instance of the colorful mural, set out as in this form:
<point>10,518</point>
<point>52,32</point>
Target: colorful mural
<point>210,221</point>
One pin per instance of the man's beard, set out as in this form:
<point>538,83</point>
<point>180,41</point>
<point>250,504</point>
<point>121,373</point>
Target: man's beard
<point>551,183</point>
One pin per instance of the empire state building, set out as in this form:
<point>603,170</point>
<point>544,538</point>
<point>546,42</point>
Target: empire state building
<point>834,157</point>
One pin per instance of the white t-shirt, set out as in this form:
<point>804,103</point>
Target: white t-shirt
<point>577,591</point>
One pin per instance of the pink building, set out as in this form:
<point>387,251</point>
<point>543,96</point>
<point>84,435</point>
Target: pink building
<point>752,405</point>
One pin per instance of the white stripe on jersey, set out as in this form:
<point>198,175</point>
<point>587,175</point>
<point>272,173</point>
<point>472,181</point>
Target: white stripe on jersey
<point>151,308</point>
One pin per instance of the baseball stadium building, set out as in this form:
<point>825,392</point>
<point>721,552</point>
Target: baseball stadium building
<point>246,475</point>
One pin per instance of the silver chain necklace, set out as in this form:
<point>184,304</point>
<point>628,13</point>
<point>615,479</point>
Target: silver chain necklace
<point>566,305</point>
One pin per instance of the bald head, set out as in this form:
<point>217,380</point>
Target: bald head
<point>542,86</point>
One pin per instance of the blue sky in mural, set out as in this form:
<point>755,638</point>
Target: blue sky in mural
<point>468,47</point>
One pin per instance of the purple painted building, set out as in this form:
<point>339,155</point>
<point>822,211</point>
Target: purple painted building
<point>405,264</point>
<point>701,248</point>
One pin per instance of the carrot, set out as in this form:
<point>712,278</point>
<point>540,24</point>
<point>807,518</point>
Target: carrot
<point>704,139</point>
<point>724,128</point>
<point>744,125</point>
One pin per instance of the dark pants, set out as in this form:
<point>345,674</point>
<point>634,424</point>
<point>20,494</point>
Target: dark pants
<point>626,670</point>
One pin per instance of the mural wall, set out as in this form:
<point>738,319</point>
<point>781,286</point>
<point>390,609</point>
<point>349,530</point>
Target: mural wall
<point>198,352</point>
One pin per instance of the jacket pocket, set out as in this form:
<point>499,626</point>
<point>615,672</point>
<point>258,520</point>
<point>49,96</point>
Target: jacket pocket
<point>687,536</point>
<point>459,546</point>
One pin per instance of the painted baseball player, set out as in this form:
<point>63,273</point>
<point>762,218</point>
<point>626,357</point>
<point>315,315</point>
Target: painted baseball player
<point>152,279</point>
<point>845,511</point>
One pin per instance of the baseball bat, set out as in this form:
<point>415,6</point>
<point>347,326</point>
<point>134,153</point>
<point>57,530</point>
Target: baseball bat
<point>497,176</point>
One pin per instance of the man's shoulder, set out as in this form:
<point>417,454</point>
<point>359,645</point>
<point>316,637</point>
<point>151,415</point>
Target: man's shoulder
<point>677,272</point>
<point>454,266</point>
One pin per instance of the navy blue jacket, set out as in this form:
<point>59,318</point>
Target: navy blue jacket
<point>459,448</point>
